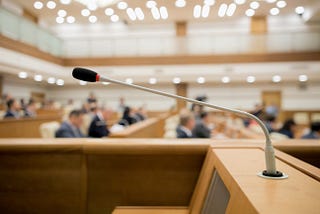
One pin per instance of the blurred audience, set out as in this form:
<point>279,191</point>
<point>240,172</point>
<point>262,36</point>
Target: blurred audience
<point>127,117</point>
<point>71,127</point>
<point>13,109</point>
<point>98,127</point>
<point>186,125</point>
<point>140,114</point>
<point>288,128</point>
<point>201,129</point>
<point>122,105</point>
<point>314,131</point>
<point>30,110</point>
<point>92,98</point>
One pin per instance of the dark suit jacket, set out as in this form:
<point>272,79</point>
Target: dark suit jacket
<point>310,135</point>
<point>181,133</point>
<point>9,114</point>
<point>98,128</point>
<point>66,131</point>
<point>201,131</point>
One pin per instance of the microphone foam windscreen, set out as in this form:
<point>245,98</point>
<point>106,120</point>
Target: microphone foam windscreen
<point>84,74</point>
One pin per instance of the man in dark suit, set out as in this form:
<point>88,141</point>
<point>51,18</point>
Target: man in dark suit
<point>201,129</point>
<point>185,126</point>
<point>314,132</point>
<point>13,109</point>
<point>71,127</point>
<point>98,126</point>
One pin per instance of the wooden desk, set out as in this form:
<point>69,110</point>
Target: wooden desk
<point>153,210</point>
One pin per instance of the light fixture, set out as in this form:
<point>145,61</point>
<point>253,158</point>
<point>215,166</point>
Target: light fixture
<point>231,9</point>
<point>23,75</point>
<point>131,14</point>
<point>197,11</point>
<point>65,1</point>
<point>38,5</point>
<point>274,11</point>
<point>122,5</point>
<point>250,12</point>
<point>93,19</point>
<point>59,20</point>
<point>81,82</point>
<point>271,1</point>
<point>239,1</point>
<point>152,80</point>
<point>303,78</point>
<point>62,13</point>
<point>299,10</point>
<point>254,5</point>
<point>251,79</point>
<point>151,4</point>
<point>281,4</point>
<point>51,5</point>
<point>163,12</point>
<point>71,19</point>
<point>129,80</point>
<point>51,80</point>
<point>209,2</point>
<point>176,80</point>
<point>60,82</point>
<point>114,18</point>
<point>276,78</point>
<point>222,10</point>
<point>201,80</point>
<point>180,3</point>
<point>91,5</point>
<point>155,13</point>
<point>85,12</point>
<point>37,78</point>
<point>109,11</point>
<point>205,11</point>
<point>139,13</point>
<point>225,79</point>
<point>106,83</point>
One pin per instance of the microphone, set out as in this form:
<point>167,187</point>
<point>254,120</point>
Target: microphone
<point>270,172</point>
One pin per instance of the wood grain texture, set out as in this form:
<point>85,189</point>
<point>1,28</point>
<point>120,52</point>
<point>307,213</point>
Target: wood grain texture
<point>153,210</point>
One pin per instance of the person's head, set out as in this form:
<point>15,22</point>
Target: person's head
<point>127,111</point>
<point>187,120</point>
<point>76,118</point>
<point>106,113</point>
<point>289,125</point>
<point>315,126</point>
<point>31,105</point>
<point>204,117</point>
<point>13,105</point>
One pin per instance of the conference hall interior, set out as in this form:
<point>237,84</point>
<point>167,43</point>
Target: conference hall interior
<point>159,106</point>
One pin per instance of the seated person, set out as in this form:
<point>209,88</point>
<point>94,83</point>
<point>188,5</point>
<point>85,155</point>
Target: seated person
<point>127,118</point>
<point>13,109</point>
<point>98,126</point>
<point>140,114</point>
<point>184,129</point>
<point>71,127</point>
<point>314,132</point>
<point>288,128</point>
<point>201,129</point>
<point>30,110</point>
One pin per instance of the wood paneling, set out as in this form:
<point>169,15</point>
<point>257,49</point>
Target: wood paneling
<point>153,210</point>
<point>181,90</point>
<point>259,25</point>
<point>181,29</point>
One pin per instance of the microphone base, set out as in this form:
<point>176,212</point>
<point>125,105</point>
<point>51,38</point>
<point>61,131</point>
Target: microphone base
<point>277,176</point>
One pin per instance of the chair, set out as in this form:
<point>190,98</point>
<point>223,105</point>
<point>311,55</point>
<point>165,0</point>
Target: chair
<point>48,130</point>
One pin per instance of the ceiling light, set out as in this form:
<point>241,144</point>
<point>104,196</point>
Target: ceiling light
<point>250,12</point>
<point>225,79</point>
<point>276,78</point>
<point>122,5</point>
<point>201,80</point>
<point>151,4</point>
<point>91,5</point>
<point>281,4</point>
<point>222,10</point>
<point>38,5</point>
<point>239,1</point>
<point>131,14</point>
<point>251,79</point>
<point>180,3</point>
<point>197,11</point>
<point>163,12</point>
<point>139,13</point>
<point>114,18</point>
<point>254,5</point>
<point>109,11</point>
<point>81,82</point>
<point>38,78</point>
<point>152,80</point>
<point>59,20</point>
<point>205,11</point>
<point>93,19</point>
<point>176,80</point>
<point>23,75</point>
<point>65,1</point>
<point>51,80</point>
<point>60,82</point>
<point>62,13</point>
<point>271,1</point>
<point>274,11</point>
<point>129,80</point>
<point>71,19</point>
<point>51,5</point>
<point>303,78</point>
<point>209,2</point>
<point>299,10</point>
<point>155,13</point>
<point>85,12</point>
<point>231,9</point>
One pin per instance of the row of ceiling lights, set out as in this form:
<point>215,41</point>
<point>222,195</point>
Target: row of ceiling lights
<point>162,12</point>
<point>39,78</point>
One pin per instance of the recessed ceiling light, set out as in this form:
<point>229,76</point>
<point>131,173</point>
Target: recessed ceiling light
<point>92,6</point>
<point>250,12</point>
<point>109,11</point>
<point>225,79</point>
<point>65,1</point>
<point>23,75</point>
<point>299,10</point>
<point>139,13</point>
<point>114,18</point>
<point>205,11</point>
<point>239,1</point>
<point>93,19</point>
<point>59,20</point>
<point>155,13</point>
<point>71,19</point>
<point>38,5</point>
<point>131,14</point>
<point>201,80</point>
<point>197,11</point>
<point>62,13</point>
<point>180,3</point>
<point>151,4</point>
<point>271,1</point>
<point>38,78</point>
<point>276,78</point>
<point>303,78</point>
<point>60,82</point>
<point>163,12</point>
<point>122,5</point>
<point>251,79</point>
<point>231,9</point>
<point>274,11</point>
<point>209,2</point>
<point>254,5</point>
<point>51,5</point>
<point>152,80</point>
<point>176,80</point>
<point>222,10</point>
<point>281,4</point>
<point>51,80</point>
<point>81,82</point>
<point>85,12</point>
<point>129,80</point>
